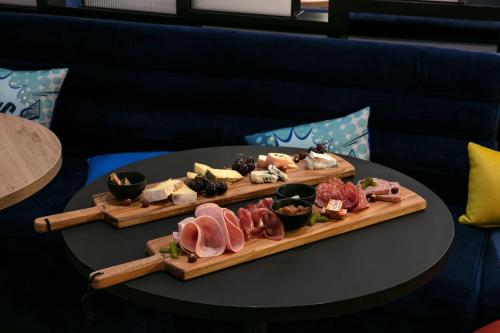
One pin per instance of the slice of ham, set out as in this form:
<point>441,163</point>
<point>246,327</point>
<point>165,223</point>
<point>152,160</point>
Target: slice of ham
<point>235,239</point>
<point>202,236</point>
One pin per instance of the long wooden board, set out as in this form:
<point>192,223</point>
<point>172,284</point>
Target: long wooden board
<point>260,247</point>
<point>108,208</point>
<point>255,248</point>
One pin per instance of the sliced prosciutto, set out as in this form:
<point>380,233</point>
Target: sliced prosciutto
<point>273,227</point>
<point>235,239</point>
<point>263,203</point>
<point>246,222</point>
<point>202,236</point>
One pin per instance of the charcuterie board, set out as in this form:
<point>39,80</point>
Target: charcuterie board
<point>108,208</point>
<point>255,248</point>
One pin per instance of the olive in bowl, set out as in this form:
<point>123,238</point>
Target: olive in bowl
<point>294,213</point>
<point>134,188</point>
<point>305,192</point>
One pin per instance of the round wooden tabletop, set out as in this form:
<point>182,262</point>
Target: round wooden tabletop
<point>30,158</point>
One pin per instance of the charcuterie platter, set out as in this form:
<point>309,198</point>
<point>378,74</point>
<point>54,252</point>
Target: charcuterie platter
<point>183,268</point>
<point>256,184</point>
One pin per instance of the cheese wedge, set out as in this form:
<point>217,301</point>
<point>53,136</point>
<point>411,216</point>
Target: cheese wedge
<point>277,172</point>
<point>191,175</point>
<point>163,190</point>
<point>279,159</point>
<point>184,196</point>
<point>201,169</point>
<point>263,176</point>
<point>315,161</point>
<point>262,161</point>
<point>226,175</point>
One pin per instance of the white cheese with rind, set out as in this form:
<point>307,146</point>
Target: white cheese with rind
<point>184,196</point>
<point>316,161</point>
<point>163,190</point>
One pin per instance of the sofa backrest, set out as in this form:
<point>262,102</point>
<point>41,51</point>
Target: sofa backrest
<point>138,86</point>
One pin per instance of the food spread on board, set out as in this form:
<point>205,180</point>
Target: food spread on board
<point>216,237</point>
<point>214,230</point>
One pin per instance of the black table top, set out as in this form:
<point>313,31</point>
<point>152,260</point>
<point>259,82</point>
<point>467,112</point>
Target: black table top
<point>339,275</point>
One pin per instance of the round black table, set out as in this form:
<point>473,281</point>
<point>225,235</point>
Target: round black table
<point>343,274</point>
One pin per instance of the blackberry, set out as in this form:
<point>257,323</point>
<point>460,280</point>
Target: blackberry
<point>221,187</point>
<point>197,185</point>
<point>210,189</point>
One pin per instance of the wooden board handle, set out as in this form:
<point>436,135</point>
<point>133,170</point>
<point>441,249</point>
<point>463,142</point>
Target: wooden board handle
<point>66,220</point>
<point>125,272</point>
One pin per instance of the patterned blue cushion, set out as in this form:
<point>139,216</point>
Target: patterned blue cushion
<point>30,95</point>
<point>347,135</point>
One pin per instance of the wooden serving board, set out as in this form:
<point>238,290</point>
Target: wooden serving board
<point>255,248</point>
<point>108,208</point>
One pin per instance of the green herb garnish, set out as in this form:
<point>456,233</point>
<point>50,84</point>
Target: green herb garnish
<point>174,252</point>
<point>367,182</point>
<point>317,218</point>
<point>164,250</point>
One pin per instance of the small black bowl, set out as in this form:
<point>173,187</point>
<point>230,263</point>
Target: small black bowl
<point>123,192</point>
<point>305,192</point>
<point>291,222</point>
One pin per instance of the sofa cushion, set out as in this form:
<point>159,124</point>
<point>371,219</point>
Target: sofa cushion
<point>483,203</point>
<point>103,164</point>
<point>31,94</point>
<point>489,299</point>
<point>347,135</point>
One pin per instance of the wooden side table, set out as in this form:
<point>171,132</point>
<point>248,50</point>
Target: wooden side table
<point>30,157</point>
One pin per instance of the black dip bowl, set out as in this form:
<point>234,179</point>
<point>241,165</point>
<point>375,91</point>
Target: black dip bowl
<point>305,192</point>
<point>123,192</point>
<point>291,222</point>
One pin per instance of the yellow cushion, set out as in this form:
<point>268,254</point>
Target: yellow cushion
<point>483,204</point>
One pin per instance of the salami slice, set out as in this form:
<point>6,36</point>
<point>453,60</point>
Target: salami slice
<point>350,194</point>
<point>362,200</point>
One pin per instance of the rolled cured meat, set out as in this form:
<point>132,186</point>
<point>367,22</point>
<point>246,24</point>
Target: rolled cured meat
<point>202,236</point>
<point>235,239</point>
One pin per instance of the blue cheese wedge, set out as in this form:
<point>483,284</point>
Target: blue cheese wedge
<point>184,196</point>
<point>315,161</point>
<point>163,190</point>
<point>263,176</point>
<point>277,172</point>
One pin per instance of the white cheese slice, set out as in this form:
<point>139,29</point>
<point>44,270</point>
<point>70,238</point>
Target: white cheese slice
<point>184,196</point>
<point>316,161</point>
<point>162,190</point>
<point>261,177</point>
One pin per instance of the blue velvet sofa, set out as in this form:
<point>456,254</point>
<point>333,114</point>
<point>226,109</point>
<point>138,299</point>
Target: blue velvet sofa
<point>135,87</point>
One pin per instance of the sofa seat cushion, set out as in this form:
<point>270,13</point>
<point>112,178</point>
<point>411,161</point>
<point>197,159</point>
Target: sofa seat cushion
<point>447,303</point>
<point>102,164</point>
<point>489,298</point>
